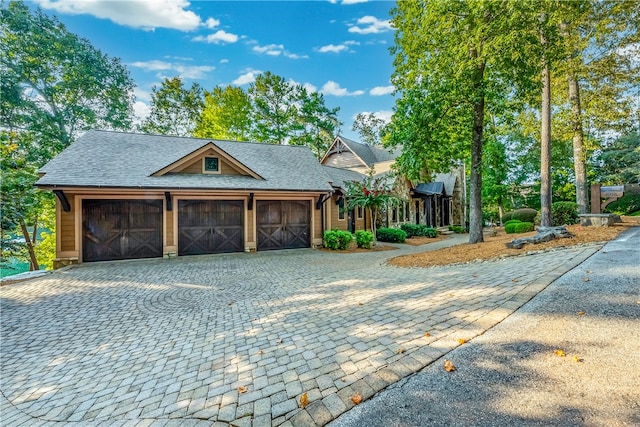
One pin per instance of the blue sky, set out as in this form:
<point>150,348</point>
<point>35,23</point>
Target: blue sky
<point>339,48</point>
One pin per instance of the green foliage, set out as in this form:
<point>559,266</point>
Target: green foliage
<point>370,128</point>
<point>337,239</point>
<point>417,230</point>
<point>456,229</point>
<point>515,226</point>
<point>512,221</point>
<point>226,115</point>
<point>619,162</point>
<point>393,235</point>
<point>624,205</point>
<point>524,215</point>
<point>174,108</point>
<point>564,213</point>
<point>364,239</point>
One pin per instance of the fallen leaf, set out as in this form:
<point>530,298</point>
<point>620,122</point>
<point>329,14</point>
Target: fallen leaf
<point>242,389</point>
<point>427,334</point>
<point>279,341</point>
<point>230,304</point>
<point>304,400</point>
<point>451,295</point>
<point>588,271</point>
<point>515,280</point>
<point>461,341</point>
<point>449,366</point>
<point>356,399</point>
<point>577,359</point>
<point>586,279</point>
<point>360,303</point>
<point>260,352</point>
<point>400,350</point>
<point>581,313</point>
<point>560,353</point>
<point>343,379</point>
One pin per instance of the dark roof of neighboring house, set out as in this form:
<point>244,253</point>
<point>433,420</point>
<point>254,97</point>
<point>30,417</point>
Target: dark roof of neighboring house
<point>368,153</point>
<point>128,160</point>
<point>339,176</point>
<point>429,188</point>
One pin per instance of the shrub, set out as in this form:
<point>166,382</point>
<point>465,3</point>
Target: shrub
<point>393,235</point>
<point>564,213</point>
<point>524,214</point>
<point>414,230</point>
<point>456,229</point>
<point>624,205</point>
<point>524,227</point>
<point>512,221</point>
<point>364,239</point>
<point>337,239</point>
<point>510,228</point>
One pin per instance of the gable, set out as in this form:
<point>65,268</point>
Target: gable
<point>340,155</point>
<point>194,164</point>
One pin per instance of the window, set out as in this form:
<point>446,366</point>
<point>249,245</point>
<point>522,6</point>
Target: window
<point>341,209</point>
<point>211,165</point>
<point>360,212</point>
<point>407,212</point>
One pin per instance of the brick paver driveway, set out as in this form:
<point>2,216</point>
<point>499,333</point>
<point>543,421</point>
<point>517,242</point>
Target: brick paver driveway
<point>239,338</point>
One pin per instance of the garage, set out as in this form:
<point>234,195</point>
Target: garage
<point>210,226</point>
<point>283,224</point>
<point>121,229</point>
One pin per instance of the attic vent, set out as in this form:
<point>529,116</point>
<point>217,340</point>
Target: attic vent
<point>211,165</point>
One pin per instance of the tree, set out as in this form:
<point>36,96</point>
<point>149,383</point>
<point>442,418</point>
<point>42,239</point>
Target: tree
<point>274,108</point>
<point>619,162</point>
<point>449,57</point>
<point>226,115</point>
<point>545,133</point>
<point>54,85</point>
<point>316,124</point>
<point>370,128</point>
<point>373,194</point>
<point>175,110</point>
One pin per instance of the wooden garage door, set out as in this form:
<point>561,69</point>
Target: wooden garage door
<point>283,224</point>
<point>121,229</point>
<point>210,226</point>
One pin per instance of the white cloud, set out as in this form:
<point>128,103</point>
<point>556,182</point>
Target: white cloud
<point>224,61</point>
<point>218,37</point>
<point>382,90</point>
<point>246,78</point>
<point>333,88</point>
<point>146,14</point>
<point>332,48</point>
<point>211,23</point>
<point>275,50</point>
<point>370,25</point>
<point>308,86</point>
<point>142,94</point>
<point>347,2</point>
<point>185,71</point>
<point>140,111</point>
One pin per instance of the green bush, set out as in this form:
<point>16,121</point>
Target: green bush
<point>564,213</point>
<point>364,239</point>
<point>393,235</point>
<point>512,221</point>
<point>524,215</point>
<point>510,228</point>
<point>524,227</point>
<point>337,239</point>
<point>414,230</point>
<point>456,229</point>
<point>624,205</point>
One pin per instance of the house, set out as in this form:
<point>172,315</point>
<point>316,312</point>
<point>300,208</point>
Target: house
<point>438,203</point>
<point>127,195</point>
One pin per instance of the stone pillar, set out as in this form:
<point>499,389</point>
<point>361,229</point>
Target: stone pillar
<point>595,199</point>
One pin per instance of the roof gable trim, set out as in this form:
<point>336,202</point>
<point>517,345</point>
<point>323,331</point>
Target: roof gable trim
<point>339,146</point>
<point>200,153</point>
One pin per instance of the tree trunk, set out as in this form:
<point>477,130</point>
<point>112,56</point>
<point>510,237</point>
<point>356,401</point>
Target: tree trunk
<point>33,265</point>
<point>34,235</point>
<point>475,199</point>
<point>579,160</point>
<point>545,144</point>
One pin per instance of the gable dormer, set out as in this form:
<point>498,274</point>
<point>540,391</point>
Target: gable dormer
<point>208,160</point>
<point>340,155</point>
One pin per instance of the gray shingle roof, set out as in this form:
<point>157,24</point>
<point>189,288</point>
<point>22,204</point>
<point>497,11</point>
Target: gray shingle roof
<point>128,160</point>
<point>367,153</point>
<point>339,176</point>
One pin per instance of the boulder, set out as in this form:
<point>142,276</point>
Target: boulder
<point>545,234</point>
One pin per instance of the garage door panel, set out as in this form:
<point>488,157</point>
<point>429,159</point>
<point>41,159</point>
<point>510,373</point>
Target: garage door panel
<point>283,224</point>
<point>121,229</point>
<point>210,226</point>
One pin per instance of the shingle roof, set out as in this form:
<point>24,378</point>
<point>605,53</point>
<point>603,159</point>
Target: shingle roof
<point>339,176</point>
<point>116,159</point>
<point>367,153</point>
